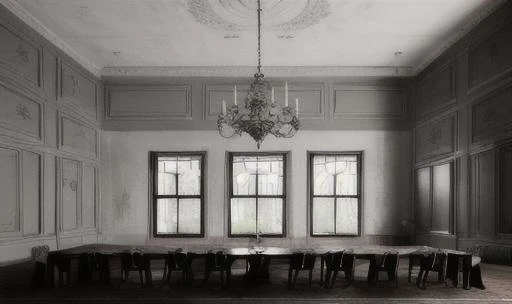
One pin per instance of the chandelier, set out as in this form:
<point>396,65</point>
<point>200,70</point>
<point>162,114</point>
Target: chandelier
<point>259,117</point>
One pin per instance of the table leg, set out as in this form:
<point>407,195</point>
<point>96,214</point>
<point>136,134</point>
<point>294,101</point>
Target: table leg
<point>147,272</point>
<point>322,264</point>
<point>50,271</point>
<point>466,269</point>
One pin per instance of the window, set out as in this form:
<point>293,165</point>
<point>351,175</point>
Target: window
<point>335,193</point>
<point>178,193</point>
<point>257,192</point>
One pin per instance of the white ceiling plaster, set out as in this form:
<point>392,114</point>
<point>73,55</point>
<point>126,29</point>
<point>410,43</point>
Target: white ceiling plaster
<point>166,36</point>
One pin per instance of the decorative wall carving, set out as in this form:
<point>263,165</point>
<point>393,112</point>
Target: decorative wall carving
<point>20,114</point>
<point>148,102</point>
<point>19,57</point>
<point>436,91</point>
<point>435,138</point>
<point>78,89</point>
<point>9,199</point>
<point>239,16</point>
<point>491,57</point>
<point>493,115</point>
<point>78,137</point>
<point>369,102</point>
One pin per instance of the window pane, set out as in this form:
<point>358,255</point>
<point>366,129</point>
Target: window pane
<point>190,216</point>
<point>270,215</point>
<point>323,179</point>
<point>346,179</point>
<point>346,215</point>
<point>243,215</point>
<point>189,175</point>
<point>167,210</point>
<point>323,215</point>
<point>167,175</point>
<point>244,175</point>
<point>270,175</point>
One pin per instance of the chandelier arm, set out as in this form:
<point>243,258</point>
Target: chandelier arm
<point>259,37</point>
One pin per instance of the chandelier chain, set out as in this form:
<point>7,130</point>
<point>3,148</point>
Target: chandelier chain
<point>259,37</point>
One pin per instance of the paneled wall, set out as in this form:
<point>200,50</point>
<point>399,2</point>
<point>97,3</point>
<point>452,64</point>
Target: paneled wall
<point>194,103</point>
<point>463,139</point>
<point>49,145</point>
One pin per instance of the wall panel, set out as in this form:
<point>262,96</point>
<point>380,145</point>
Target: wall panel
<point>20,114</point>
<point>19,57</point>
<point>423,199</point>
<point>50,171</point>
<point>9,188</point>
<point>436,91</point>
<point>78,90</point>
<point>505,199</point>
<point>435,139</point>
<point>490,57</point>
<point>148,102</point>
<point>369,102</point>
<point>70,195</point>
<point>492,116</point>
<point>486,218</point>
<point>442,198</point>
<point>89,197</point>
<point>31,192</point>
<point>77,136</point>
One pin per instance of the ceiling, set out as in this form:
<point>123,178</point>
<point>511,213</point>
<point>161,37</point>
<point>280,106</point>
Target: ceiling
<point>107,35</point>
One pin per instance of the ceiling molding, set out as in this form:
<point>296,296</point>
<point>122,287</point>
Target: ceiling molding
<point>15,8</point>
<point>247,71</point>
<point>453,38</point>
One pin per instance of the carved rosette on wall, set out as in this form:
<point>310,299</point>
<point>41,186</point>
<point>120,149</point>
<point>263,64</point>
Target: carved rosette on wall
<point>236,16</point>
<point>23,112</point>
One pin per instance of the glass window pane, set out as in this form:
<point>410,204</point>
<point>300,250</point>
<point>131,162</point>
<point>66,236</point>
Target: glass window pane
<point>167,175</point>
<point>243,215</point>
<point>323,215</point>
<point>270,175</point>
<point>190,216</point>
<point>167,210</point>
<point>323,179</point>
<point>189,175</point>
<point>270,215</point>
<point>346,178</point>
<point>347,215</point>
<point>244,175</point>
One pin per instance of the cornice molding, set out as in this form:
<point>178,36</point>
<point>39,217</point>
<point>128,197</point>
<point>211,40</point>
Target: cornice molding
<point>247,71</point>
<point>15,8</point>
<point>455,37</point>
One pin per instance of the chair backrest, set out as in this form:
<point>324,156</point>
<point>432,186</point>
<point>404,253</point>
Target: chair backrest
<point>302,260</point>
<point>390,259</point>
<point>177,259</point>
<point>216,259</point>
<point>40,253</point>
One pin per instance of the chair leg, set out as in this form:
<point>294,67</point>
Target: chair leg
<point>409,275</point>
<point>327,278</point>
<point>310,277</point>
<point>169,277</point>
<point>335,274</point>
<point>207,273</point>
<point>141,277</point>
<point>68,277</point>
<point>290,272</point>
<point>222,277</point>
<point>295,277</point>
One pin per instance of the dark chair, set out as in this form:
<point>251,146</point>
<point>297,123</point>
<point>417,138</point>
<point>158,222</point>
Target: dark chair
<point>258,267</point>
<point>64,268</point>
<point>132,261</point>
<point>215,262</point>
<point>178,261</point>
<point>39,256</point>
<point>336,262</point>
<point>301,261</point>
<point>468,265</point>
<point>435,261</point>
<point>387,262</point>
<point>414,260</point>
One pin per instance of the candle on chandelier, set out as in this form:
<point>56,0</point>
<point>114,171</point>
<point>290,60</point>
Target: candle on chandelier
<point>286,94</point>
<point>223,107</point>
<point>235,94</point>
<point>297,107</point>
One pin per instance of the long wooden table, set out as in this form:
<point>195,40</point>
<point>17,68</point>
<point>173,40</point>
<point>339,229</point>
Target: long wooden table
<point>161,252</point>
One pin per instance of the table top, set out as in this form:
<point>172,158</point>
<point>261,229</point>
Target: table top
<point>365,250</point>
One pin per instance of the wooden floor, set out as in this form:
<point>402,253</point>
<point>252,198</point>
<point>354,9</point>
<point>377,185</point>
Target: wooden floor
<point>497,278</point>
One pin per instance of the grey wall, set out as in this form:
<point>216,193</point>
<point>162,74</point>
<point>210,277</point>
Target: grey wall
<point>49,145</point>
<point>462,124</point>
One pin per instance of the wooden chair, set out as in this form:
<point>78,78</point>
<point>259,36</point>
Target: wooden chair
<point>258,267</point>
<point>435,261</point>
<point>178,261</point>
<point>336,262</point>
<point>132,261</point>
<point>301,261</point>
<point>40,256</point>
<point>388,262</point>
<point>215,262</point>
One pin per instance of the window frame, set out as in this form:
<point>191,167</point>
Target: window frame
<point>359,196</point>
<point>256,196</point>
<point>154,196</point>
